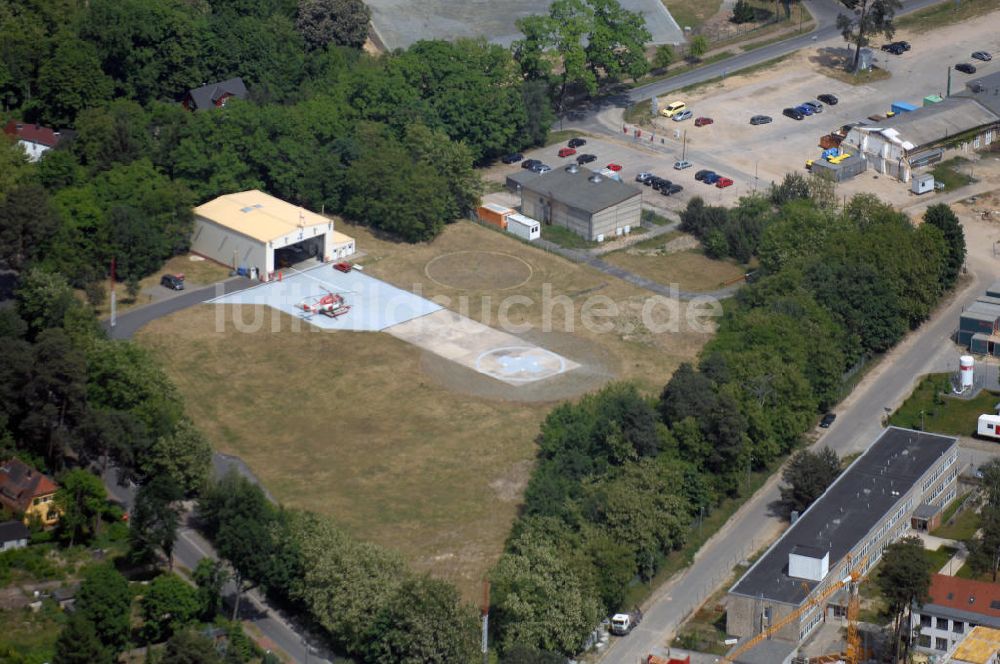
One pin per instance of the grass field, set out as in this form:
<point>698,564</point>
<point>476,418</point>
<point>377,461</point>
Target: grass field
<point>565,237</point>
<point>965,526</point>
<point>29,637</point>
<point>950,173</point>
<point>690,270</point>
<point>929,410</point>
<point>692,13</point>
<point>945,13</point>
<point>360,427</point>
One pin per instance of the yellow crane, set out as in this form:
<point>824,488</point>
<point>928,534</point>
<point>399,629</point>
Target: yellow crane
<point>852,581</point>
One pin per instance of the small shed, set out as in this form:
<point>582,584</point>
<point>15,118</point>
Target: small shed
<point>845,170</point>
<point>926,517</point>
<point>13,535</point>
<point>922,184</point>
<point>524,227</point>
<point>494,214</point>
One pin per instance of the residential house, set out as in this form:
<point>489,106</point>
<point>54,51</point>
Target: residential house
<point>24,490</point>
<point>35,139</point>
<point>954,608</point>
<point>13,535</point>
<point>214,95</point>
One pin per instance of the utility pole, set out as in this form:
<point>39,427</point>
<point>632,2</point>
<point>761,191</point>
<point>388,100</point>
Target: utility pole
<point>684,146</point>
<point>486,621</point>
<point>948,94</point>
<point>114,308</point>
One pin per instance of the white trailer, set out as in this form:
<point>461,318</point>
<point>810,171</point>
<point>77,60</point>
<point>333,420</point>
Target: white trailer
<point>989,426</point>
<point>523,227</point>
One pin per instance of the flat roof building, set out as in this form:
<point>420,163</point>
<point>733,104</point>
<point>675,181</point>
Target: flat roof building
<point>867,508</point>
<point>587,203</point>
<point>245,229</point>
<point>979,323</point>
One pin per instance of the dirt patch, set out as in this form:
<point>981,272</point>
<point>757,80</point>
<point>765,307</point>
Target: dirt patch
<point>478,271</point>
<point>683,243</point>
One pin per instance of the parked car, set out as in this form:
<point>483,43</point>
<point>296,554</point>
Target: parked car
<point>905,45</point>
<point>965,67</point>
<point>896,48</point>
<point>827,420</point>
<point>700,175</point>
<point>683,115</point>
<point>814,105</point>
<point>512,158</point>
<point>577,142</point>
<point>644,177</point>
<point>530,164</point>
<point>982,55</point>
<point>760,119</point>
<point>793,113</point>
<point>672,108</point>
<point>711,178</point>
<point>614,167</point>
<point>542,168</point>
<point>660,183</point>
<point>675,188</point>
<point>701,122</point>
<point>722,183</point>
<point>567,152</point>
<point>586,159</point>
<point>172,281</point>
<point>828,99</point>
<point>805,110</point>
<point>681,164</point>
<point>343,267</point>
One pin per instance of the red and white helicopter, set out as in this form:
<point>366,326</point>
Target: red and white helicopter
<point>330,304</point>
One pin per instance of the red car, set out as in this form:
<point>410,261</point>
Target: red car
<point>567,152</point>
<point>722,183</point>
<point>342,267</point>
<point>701,122</point>
<point>614,167</point>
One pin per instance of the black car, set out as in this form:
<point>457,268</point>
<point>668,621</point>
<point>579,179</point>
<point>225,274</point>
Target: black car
<point>586,158</point>
<point>512,158</point>
<point>827,420</point>
<point>965,67</point>
<point>530,163</point>
<point>760,119</point>
<point>660,183</point>
<point>905,45</point>
<point>172,281</point>
<point>828,99</point>
<point>577,142</point>
<point>700,175</point>
<point>896,48</point>
<point>675,188</point>
<point>793,113</point>
<point>982,55</point>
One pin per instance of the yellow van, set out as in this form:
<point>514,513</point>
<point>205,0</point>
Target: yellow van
<point>673,108</point>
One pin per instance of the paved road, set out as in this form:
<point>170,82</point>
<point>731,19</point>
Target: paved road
<point>858,423</point>
<point>130,321</point>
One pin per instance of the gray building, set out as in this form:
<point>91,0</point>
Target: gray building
<point>979,323</point>
<point>897,145</point>
<point>867,508</point>
<point>591,205</point>
<point>13,535</point>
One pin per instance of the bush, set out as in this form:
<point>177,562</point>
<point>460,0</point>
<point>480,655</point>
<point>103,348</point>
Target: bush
<point>743,12</point>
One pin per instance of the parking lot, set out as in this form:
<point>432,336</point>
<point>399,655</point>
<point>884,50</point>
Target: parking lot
<point>771,150</point>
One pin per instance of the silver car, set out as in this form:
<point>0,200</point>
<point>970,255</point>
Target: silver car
<point>982,55</point>
<point>682,164</point>
<point>683,115</point>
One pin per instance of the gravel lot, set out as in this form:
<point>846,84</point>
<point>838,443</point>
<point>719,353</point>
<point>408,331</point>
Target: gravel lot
<point>399,23</point>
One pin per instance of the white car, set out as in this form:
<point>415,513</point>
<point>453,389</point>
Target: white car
<point>643,177</point>
<point>681,164</point>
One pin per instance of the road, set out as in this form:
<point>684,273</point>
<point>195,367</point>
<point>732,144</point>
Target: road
<point>858,423</point>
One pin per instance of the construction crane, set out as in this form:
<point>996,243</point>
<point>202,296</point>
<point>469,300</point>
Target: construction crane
<point>852,581</point>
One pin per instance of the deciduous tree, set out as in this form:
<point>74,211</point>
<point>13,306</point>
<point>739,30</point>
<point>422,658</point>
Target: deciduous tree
<point>904,579</point>
<point>868,18</point>
<point>342,22</point>
<point>943,218</point>
<point>82,501</point>
<point>190,647</point>
<point>807,476</point>
<point>78,643</point>
<point>155,519</point>
<point>105,600</point>
<point>168,605</point>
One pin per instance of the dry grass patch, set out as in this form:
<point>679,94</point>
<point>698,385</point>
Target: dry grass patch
<point>691,270</point>
<point>361,427</point>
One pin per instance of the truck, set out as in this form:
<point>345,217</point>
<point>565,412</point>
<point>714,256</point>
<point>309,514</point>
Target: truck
<point>623,623</point>
<point>989,427</point>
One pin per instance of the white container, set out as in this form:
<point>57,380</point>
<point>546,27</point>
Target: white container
<point>966,365</point>
<point>989,426</point>
<point>523,227</point>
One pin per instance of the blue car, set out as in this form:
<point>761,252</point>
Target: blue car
<point>805,110</point>
<point>711,178</point>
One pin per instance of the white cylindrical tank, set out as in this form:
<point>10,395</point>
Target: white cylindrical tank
<point>965,371</point>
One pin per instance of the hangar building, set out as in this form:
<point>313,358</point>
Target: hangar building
<point>871,505</point>
<point>247,229</point>
<point>587,203</point>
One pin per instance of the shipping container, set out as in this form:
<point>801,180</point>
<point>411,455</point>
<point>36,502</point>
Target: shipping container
<point>932,99</point>
<point>902,107</point>
<point>493,214</point>
<point>523,227</point>
<point>989,426</point>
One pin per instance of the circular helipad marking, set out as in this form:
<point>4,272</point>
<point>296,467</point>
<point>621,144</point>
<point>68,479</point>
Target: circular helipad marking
<point>521,364</point>
<point>478,270</point>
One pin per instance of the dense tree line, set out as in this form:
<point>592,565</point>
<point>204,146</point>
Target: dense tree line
<point>364,598</point>
<point>620,478</point>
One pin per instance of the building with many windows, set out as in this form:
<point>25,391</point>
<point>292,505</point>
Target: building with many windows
<point>867,508</point>
<point>954,608</point>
